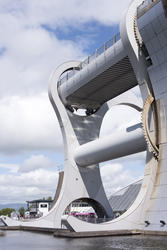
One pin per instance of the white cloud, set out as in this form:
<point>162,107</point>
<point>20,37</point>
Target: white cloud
<point>31,51</point>
<point>30,57</point>
<point>34,182</point>
<point>115,177</point>
<point>27,124</point>
<point>61,12</point>
<point>36,177</point>
<point>120,117</point>
<point>35,162</point>
<point>12,168</point>
<point>26,186</point>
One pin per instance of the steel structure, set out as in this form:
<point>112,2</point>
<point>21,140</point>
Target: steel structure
<point>136,56</point>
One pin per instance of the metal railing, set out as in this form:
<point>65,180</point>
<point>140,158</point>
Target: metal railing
<point>145,6</point>
<point>90,58</point>
<point>95,220</point>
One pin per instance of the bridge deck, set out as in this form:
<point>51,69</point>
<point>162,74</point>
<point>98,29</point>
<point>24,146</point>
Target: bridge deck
<point>104,75</point>
<point>107,76</point>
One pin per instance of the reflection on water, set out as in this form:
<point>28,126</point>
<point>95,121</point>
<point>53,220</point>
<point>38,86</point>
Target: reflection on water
<point>21,240</point>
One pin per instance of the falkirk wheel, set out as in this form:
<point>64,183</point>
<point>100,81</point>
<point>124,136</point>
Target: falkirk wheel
<point>136,56</point>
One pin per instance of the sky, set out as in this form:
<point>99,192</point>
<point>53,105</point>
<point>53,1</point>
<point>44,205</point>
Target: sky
<point>35,37</point>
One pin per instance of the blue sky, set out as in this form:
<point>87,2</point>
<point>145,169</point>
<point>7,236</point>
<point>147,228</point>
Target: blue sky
<point>36,37</point>
<point>94,33</point>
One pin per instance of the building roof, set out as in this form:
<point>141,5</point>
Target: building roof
<point>40,200</point>
<point>121,200</point>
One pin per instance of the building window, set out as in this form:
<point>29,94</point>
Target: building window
<point>43,205</point>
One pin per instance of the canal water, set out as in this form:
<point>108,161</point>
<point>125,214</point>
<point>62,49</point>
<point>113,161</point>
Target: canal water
<point>22,240</point>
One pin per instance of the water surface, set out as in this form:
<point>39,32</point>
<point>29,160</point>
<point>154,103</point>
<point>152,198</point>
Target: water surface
<point>22,240</point>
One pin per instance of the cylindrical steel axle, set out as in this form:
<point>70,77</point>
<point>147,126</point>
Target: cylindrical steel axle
<point>120,144</point>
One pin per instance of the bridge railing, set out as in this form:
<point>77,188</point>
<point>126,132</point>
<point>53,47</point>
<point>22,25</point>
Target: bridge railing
<point>90,58</point>
<point>145,6</point>
<point>95,220</point>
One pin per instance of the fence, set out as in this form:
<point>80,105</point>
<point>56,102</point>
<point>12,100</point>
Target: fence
<point>90,58</point>
<point>145,6</point>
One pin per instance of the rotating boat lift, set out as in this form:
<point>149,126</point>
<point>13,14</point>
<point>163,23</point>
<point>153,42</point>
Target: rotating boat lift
<point>137,57</point>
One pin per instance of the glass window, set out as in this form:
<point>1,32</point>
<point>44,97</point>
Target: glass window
<point>43,205</point>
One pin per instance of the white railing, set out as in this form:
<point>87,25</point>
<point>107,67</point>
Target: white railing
<point>145,6</point>
<point>90,58</point>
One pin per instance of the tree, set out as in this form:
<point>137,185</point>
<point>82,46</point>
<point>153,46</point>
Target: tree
<point>21,211</point>
<point>49,198</point>
<point>6,211</point>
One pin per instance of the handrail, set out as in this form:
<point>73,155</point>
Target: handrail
<point>145,6</point>
<point>142,8</point>
<point>90,58</point>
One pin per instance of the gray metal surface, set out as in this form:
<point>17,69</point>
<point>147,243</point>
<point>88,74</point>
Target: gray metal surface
<point>143,47</point>
<point>120,144</point>
<point>121,200</point>
<point>106,77</point>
